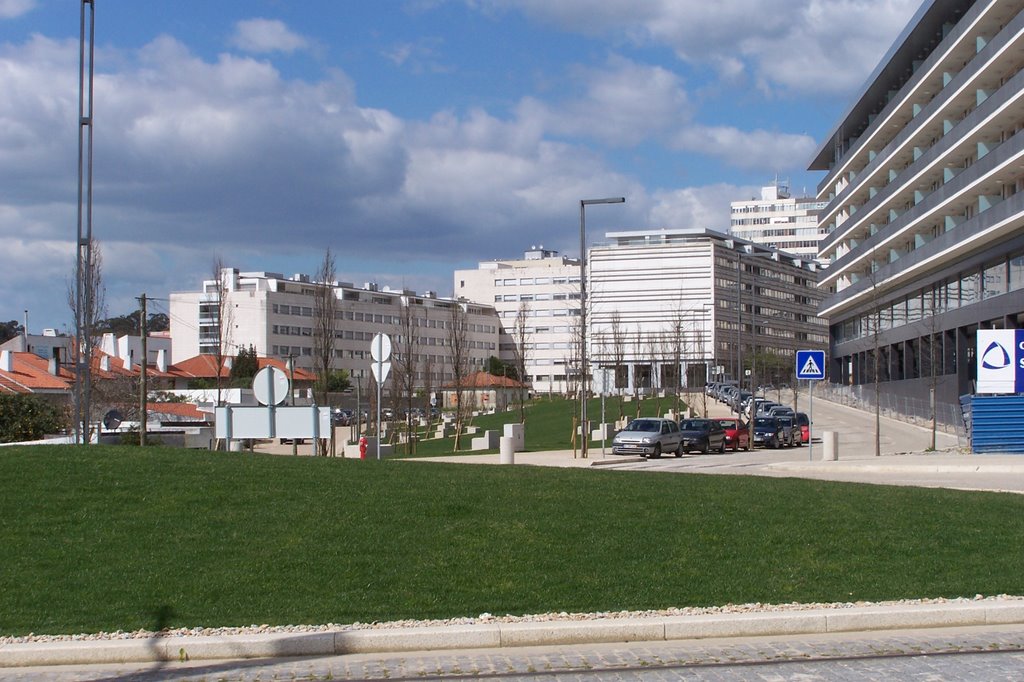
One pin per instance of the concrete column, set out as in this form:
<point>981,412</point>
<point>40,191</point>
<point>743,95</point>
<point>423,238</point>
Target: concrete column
<point>506,450</point>
<point>830,446</point>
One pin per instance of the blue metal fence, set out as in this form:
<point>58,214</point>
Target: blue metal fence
<point>995,423</point>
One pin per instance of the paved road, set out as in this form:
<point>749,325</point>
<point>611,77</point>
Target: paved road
<point>988,653</point>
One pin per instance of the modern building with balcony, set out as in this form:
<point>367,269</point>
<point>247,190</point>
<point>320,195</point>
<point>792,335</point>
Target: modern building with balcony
<point>925,214</point>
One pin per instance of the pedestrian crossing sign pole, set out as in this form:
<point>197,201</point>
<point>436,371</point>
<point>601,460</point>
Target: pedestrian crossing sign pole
<point>810,365</point>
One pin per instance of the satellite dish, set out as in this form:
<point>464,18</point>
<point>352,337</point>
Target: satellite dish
<point>112,420</point>
<point>271,386</point>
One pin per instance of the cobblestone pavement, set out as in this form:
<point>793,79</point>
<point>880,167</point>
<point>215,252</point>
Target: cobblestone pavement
<point>987,653</point>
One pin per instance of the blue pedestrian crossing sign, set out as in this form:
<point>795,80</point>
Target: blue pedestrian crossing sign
<point>810,364</point>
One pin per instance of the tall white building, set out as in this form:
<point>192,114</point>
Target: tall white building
<point>690,303</point>
<point>780,221</point>
<point>543,288</point>
<point>667,308</point>
<point>275,315</point>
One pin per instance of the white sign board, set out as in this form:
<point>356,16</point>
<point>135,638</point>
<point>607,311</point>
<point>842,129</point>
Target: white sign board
<point>1000,361</point>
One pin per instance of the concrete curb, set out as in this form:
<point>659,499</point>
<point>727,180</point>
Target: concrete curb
<point>501,635</point>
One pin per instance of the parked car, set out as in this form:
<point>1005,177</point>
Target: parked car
<point>737,433</point>
<point>341,417</point>
<point>801,420</point>
<point>648,436</point>
<point>764,409</point>
<point>790,433</point>
<point>767,431</point>
<point>703,435</point>
<point>781,411</point>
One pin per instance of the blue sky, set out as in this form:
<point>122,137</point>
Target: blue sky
<point>410,137</point>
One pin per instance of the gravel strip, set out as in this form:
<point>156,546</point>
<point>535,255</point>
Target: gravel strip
<point>486,618</point>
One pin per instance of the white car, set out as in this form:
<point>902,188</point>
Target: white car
<point>648,436</point>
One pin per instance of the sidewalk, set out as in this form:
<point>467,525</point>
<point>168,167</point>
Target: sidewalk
<point>792,620</point>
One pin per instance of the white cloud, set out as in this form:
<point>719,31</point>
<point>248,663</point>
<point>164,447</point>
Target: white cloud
<point>620,105</point>
<point>704,207</point>
<point>196,157</point>
<point>267,35</point>
<point>805,46</point>
<point>12,9</point>
<point>754,150</point>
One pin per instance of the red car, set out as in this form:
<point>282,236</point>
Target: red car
<point>737,433</point>
<point>804,423</point>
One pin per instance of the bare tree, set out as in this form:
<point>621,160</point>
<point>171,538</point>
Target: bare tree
<point>88,307</point>
<point>458,348</point>
<point>405,363</point>
<point>618,350</point>
<point>676,352</point>
<point>325,310</point>
<point>225,321</point>
<point>521,353</point>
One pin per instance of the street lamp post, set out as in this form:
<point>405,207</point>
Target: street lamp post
<point>583,314</point>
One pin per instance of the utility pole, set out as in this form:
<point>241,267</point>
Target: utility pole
<point>143,412</point>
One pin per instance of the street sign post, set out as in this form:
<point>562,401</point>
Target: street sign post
<point>380,351</point>
<point>810,365</point>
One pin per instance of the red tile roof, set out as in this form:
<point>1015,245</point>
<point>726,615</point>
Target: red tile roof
<point>30,374</point>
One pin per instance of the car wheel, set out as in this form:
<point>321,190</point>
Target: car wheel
<point>657,451</point>
<point>680,450</point>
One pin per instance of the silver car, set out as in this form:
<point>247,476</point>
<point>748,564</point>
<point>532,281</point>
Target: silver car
<point>648,436</point>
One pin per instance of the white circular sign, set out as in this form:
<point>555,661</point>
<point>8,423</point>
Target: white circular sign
<point>380,347</point>
<point>270,386</point>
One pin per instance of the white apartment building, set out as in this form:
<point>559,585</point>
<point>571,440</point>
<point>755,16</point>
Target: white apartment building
<point>925,209</point>
<point>780,221</point>
<point>275,315</point>
<point>677,300</point>
<point>691,303</point>
<point>543,287</point>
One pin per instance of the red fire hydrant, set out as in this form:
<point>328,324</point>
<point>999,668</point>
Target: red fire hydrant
<point>362,447</point>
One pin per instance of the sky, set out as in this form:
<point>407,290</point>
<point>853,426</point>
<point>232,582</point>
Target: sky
<point>410,137</point>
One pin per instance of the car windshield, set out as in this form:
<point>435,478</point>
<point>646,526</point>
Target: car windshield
<point>785,421</point>
<point>727,423</point>
<point>645,425</point>
<point>764,421</point>
<point>694,425</point>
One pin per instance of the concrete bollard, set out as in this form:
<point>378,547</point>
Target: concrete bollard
<point>506,450</point>
<point>830,446</point>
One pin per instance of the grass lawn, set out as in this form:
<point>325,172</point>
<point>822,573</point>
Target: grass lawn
<point>106,538</point>
<point>549,424</point>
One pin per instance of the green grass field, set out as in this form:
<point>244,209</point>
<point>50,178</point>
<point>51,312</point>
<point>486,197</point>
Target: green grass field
<point>549,423</point>
<point>106,538</point>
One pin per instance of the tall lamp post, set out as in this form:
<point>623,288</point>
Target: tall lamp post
<point>583,314</point>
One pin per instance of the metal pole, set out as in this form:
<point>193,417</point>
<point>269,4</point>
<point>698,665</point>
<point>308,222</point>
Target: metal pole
<point>143,332</point>
<point>583,316</point>
<point>84,294</point>
<point>810,420</point>
<point>583,330</point>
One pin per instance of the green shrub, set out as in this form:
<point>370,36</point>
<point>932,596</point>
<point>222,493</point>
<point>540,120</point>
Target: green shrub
<point>27,417</point>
